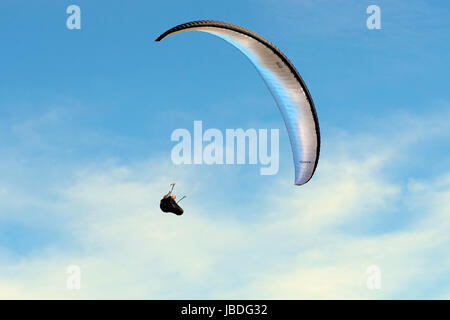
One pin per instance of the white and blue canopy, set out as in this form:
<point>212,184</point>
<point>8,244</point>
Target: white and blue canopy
<point>283,81</point>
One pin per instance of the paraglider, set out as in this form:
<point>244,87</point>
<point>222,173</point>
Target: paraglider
<point>285,84</point>
<point>168,203</point>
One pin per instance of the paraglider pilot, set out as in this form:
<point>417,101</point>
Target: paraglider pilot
<point>168,203</point>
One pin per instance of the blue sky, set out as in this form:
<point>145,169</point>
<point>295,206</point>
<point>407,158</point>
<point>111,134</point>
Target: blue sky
<point>85,123</point>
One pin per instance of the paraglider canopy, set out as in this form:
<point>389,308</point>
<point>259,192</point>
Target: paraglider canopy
<point>285,84</point>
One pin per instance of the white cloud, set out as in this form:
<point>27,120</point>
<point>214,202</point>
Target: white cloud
<point>309,242</point>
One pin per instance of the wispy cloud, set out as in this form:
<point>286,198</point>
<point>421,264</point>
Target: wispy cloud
<point>309,242</point>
